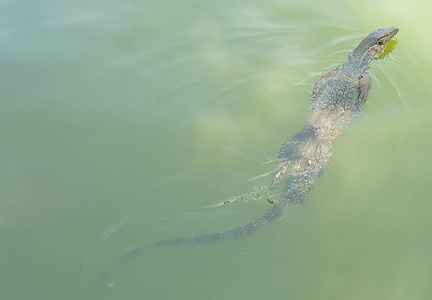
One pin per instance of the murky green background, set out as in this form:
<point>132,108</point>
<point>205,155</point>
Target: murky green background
<point>126,122</point>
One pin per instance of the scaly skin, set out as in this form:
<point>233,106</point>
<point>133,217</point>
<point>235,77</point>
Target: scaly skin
<point>337,97</point>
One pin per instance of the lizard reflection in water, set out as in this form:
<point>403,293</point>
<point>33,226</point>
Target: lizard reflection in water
<point>337,97</point>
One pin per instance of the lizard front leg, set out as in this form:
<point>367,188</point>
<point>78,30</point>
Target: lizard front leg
<point>365,83</point>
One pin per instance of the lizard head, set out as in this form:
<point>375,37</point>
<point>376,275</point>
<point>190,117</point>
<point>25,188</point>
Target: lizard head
<point>375,43</point>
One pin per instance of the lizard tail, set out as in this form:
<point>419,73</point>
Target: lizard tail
<point>237,232</point>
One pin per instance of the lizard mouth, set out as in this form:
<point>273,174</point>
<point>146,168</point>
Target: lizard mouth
<point>381,46</point>
<point>393,32</point>
<point>389,34</point>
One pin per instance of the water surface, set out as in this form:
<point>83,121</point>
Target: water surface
<point>124,123</point>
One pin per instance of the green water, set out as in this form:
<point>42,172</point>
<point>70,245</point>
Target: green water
<point>126,122</point>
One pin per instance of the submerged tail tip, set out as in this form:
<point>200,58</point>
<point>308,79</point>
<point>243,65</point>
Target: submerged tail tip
<point>131,252</point>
